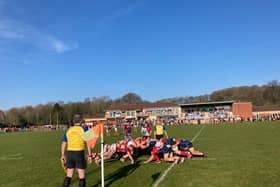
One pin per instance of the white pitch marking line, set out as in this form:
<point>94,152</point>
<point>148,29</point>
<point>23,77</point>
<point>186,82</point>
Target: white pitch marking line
<point>172,165</point>
<point>194,138</point>
<point>9,158</point>
<point>194,159</point>
<point>15,155</point>
<point>163,176</point>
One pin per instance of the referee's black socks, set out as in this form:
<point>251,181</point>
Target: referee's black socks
<point>82,182</point>
<point>66,181</point>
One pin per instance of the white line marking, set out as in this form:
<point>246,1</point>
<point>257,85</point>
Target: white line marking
<point>10,158</point>
<point>15,155</point>
<point>172,165</point>
<point>203,159</point>
<point>194,138</point>
<point>163,176</point>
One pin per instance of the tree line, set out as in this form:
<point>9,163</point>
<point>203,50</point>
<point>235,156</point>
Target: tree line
<point>62,113</point>
<point>268,94</point>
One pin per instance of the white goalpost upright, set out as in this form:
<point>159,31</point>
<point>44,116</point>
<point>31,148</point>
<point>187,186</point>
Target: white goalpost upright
<point>102,158</point>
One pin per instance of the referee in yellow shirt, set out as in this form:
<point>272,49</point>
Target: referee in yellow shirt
<point>160,130</point>
<point>74,147</point>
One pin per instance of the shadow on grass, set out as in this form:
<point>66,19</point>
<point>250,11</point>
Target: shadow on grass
<point>118,174</point>
<point>155,176</point>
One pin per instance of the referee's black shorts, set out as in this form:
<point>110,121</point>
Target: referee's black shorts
<point>76,159</point>
<point>158,137</point>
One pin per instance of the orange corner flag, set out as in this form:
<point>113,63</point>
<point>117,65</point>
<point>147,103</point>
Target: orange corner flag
<point>91,136</point>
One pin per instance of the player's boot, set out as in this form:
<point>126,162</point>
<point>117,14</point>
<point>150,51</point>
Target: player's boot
<point>205,154</point>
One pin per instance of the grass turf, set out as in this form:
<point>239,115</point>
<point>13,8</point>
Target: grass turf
<point>239,155</point>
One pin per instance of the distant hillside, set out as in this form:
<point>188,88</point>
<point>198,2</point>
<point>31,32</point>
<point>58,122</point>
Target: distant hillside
<point>187,99</point>
<point>268,94</point>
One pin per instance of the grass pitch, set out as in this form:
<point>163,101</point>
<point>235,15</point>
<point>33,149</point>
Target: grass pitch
<point>245,154</point>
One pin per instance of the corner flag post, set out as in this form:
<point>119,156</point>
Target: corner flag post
<point>91,136</point>
<point>102,156</point>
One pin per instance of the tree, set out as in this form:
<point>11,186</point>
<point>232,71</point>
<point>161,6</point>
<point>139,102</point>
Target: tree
<point>131,98</point>
<point>272,92</point>
<point>57,109</point>
<point>2,118</point>
<point>13,116</point>
<point>28,114</point>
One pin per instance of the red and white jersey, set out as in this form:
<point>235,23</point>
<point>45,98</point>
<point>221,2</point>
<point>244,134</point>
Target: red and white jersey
<point>121,147</point>
<point>131,143</point>
<point>106,148</point>
<point>110,148</point>
<point>145,141</point>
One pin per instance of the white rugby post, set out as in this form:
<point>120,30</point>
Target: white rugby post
<point>102,157</point>
<point>90,135</point>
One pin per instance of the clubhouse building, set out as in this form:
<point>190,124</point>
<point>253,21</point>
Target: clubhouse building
<point>215,112</point>
<point>271,112</point>
<point>144,111</point>
<point>194,113</point>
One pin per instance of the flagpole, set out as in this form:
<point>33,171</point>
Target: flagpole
<point>102,158</point>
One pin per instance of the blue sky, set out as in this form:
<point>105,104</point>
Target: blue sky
<point>59,50</point>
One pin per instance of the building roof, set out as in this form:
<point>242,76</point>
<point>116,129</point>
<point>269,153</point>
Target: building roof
<point>207,103</point>
<point>266,108</point>
<point>142,105</point>
<point>99,115</point>
<point>95,117</point>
